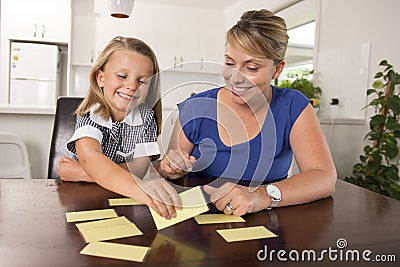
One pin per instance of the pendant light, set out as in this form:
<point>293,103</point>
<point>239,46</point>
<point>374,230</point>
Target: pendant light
<point>120,8</point>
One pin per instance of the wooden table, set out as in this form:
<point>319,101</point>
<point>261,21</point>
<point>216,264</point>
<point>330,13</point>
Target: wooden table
<point>34,231</point>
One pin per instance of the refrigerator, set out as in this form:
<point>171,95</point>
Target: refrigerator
<point>34,74</point>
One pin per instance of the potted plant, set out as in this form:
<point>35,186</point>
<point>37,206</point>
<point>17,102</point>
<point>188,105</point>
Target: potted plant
<point>304,84</point>
<point>377,169</point>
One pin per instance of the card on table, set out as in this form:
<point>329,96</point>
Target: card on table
<point>123,202</point>
<point>90,215</point>
<point>193,203</point>
<point>116,251</point>
<point>245,233</point>
<point>108,229</point>
<point>217,218</point>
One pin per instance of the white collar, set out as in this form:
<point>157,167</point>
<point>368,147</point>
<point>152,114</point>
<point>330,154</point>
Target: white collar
<point>133,118</point>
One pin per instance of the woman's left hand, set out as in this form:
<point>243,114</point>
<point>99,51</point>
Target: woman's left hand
<point>237,199</point>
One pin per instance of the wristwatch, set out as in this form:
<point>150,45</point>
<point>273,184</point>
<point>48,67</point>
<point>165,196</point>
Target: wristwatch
<point>274,193</point>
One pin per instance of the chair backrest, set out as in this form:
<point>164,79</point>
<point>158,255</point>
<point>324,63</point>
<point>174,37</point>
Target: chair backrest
<point>14,161</point>
<point>63,129</point>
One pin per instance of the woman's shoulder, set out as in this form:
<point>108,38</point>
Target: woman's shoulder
<point>198,106</point>
<point>289,96</point>
<point>288,102</point>
<point>288,93</point>
<point>210,93</point>
<point>200,100</point>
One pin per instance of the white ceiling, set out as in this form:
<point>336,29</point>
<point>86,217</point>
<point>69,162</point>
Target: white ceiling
<point>204,4</point>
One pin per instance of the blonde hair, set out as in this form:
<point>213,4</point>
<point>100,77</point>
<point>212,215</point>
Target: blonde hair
<point>260,33</point>
<point>95,93</point>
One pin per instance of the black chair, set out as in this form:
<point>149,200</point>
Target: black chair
<point>63,129</point>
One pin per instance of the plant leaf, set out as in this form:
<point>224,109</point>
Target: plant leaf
<point>371,91</point>
<point>394,104</point>
<point>378,84</point>
<point>376,121</point>
<point>383,63</point>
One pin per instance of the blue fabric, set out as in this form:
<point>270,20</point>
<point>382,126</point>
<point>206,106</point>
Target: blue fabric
<point>265,158</point>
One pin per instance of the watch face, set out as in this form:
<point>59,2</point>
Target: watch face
<point>273,192</point>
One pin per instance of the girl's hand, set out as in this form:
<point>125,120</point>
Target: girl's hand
<point>161,196</point>
<point>176,164</point>
<point>71,170</point>
<point>239,198</point>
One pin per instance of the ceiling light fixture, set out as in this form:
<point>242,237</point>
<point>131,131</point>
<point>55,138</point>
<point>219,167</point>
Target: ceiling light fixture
<point>120,8</point>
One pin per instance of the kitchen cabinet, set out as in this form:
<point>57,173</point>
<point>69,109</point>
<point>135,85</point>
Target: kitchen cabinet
<point>190,47</point>
<point>177,35</point>
<point>211,49</point>
<point>178,45</point>
<point>41,20</point>
<point>83,40</point>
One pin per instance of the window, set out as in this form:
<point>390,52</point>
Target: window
<point>299,55</point>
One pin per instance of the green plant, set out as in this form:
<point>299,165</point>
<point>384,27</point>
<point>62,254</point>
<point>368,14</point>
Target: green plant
<point>303,84</point>
<point>377,170</point>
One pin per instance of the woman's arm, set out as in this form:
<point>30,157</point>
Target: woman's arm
<point>115,178</point>
<point>316,180</point>
<point>317,177</point>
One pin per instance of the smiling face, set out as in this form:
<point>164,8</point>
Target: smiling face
<point>125,80</point>
<point>246,76</point>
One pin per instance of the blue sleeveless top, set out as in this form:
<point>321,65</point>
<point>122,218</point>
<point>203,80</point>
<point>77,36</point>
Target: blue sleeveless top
<point>265,158</point>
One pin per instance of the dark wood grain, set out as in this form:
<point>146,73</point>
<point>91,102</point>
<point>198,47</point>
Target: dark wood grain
<point>34,231</point>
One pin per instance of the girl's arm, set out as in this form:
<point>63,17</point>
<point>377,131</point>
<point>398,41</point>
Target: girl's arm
<point>138,166</point>
<point>71,170</point>
<point>115,178</point>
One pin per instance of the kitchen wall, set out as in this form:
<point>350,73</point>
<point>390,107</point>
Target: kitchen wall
<point>352,37</point>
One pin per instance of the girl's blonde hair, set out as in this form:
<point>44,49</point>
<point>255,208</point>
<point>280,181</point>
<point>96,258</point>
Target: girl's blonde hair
<point>260,33</point>
<point>95,93</point>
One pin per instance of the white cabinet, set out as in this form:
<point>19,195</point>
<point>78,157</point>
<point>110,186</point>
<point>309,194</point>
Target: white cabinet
<point>42,20</point>
<point>188,37</point>
<point>177,35</point>
<point>190,47</point>
<point>211,49</point>
<point>83,40</point>
<point>178,44</point>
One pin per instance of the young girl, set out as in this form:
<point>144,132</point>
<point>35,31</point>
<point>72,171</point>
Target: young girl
<point>116,128</point>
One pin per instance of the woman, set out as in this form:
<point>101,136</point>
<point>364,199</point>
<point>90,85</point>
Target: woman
<point>252,120</point>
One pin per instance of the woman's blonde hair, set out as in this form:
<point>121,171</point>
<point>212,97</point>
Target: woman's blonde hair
<point>95,93</point>
<point>260,33</point>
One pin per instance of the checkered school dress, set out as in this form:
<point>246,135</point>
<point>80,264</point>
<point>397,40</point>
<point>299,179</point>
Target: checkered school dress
<point>135,136</point>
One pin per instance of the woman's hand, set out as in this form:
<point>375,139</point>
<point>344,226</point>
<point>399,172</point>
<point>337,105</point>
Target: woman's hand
<point>159,195</point>
<point>236,199</point>
<point>71,170</point>
<point>176,164</point>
